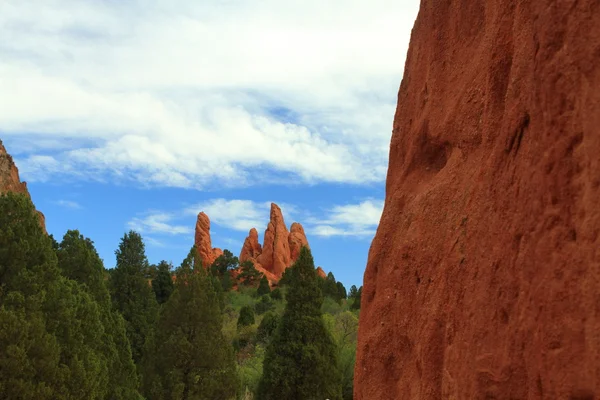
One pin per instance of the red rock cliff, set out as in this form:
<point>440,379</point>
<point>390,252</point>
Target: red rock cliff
<point>280,248</point>
<point>10,181</point>
<point>483,277</point>
<point>296,239</point>
<point>275,256</point>
<point>203,241</point>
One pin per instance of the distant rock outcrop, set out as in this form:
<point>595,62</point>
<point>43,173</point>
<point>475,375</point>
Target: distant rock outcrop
<point>10,181</point>
<point>483,280</point>
<point>203,241</point>
<point>275,256</point>
<point>297,239</point>
<point>251,248</point>
<point>280,248</point>
<point>321,273</point>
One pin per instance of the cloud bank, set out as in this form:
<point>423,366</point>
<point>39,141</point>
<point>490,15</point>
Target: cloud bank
<point>202,94</point>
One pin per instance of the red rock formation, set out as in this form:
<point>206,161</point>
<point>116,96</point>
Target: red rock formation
<point>203,242</point>
<point>275,256</point>
<point>483,277</point>
<point>296,240</point>
<point>321,273</point>
<point>251,248</point>
<point>10,181</point>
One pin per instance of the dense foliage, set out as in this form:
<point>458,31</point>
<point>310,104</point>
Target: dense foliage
<point>301,360</point>
<point>70,329</point>
<point>132,292</point>
<point>188,356</point>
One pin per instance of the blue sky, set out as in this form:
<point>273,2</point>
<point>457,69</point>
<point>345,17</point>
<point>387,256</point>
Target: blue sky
<point>126,115</point>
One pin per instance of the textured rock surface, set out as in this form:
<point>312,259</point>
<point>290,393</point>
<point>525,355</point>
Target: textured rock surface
<point>275,256</point>
<point>251,248</point>
<point>321,273</point>
<point>203,242</point>
<point>296,240</point>
<point>483,277</point>
<point>10,181</point>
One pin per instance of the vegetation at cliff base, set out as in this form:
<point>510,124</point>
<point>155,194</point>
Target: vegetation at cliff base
<point>71,329</point>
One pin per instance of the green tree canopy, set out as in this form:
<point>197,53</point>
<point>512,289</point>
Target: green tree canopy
<point>267,327</point>
<point>78,260</point>
<point>132,293</point>
<point>341,290</point>
<point>50,327</point>
<point>356,300</point>
<point>162,284</point>
<point>248,274</point>
<point>301,360</point>
<point>263,287</point>
<point>246,316</point>
<point>188,357</point>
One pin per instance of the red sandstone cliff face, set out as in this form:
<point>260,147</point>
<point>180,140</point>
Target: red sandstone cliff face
<point>296,239</point>
<point>280,249</point>
<point>203,242</point>
<point>483,277</point>
<point>10,181</point>
<point>275,256</point>
<point>251,248</point>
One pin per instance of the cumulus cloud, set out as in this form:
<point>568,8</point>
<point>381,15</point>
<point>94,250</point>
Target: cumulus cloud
<point>240,215</point>
<point>358,220</point>
<point>158,222</point>
<point>349,220</point>
<point>195,94</point>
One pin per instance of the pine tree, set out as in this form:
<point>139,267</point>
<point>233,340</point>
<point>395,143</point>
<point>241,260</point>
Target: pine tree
<point>78,260</point>
<point>300,362</point>
<point>188,357</point>
<point>356,300</point>
<point>50,327</point>
<point>353,292</point>
<point>246,316</point>
<point>263,287</point>
<point>248,274</point>
<point>132,293</point>
<point>162,284</point>
<point>341,290</point>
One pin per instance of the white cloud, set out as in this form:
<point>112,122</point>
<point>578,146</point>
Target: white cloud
<point>153,242</point>
<point>240,215</point>
<point>158,222</point>
<point>358,220</point>
<point>349,220</point>
<point>69,204</point>
<point>184,95</point>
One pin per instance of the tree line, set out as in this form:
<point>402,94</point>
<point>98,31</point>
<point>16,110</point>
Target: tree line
<point>70,329</point>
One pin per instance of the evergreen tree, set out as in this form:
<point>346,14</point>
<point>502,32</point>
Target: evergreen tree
<point>276,294</point>
<point>132,293</point>
<point>162,284</point>
<point>248,274</point>
<point>341,291</point>
<point>353,292</point>
<point>330,288</point>
<point>78,260</point>
<point>267,327</point>
<point>300,362</point>
<point>263,287</point>
<point>50,327</point>
<point>188,357</point>
<point>246,316</point>
<point>356,301</point>
<point>264,304</point>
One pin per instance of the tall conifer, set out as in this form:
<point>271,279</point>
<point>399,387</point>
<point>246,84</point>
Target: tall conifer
<point>300,362</point>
